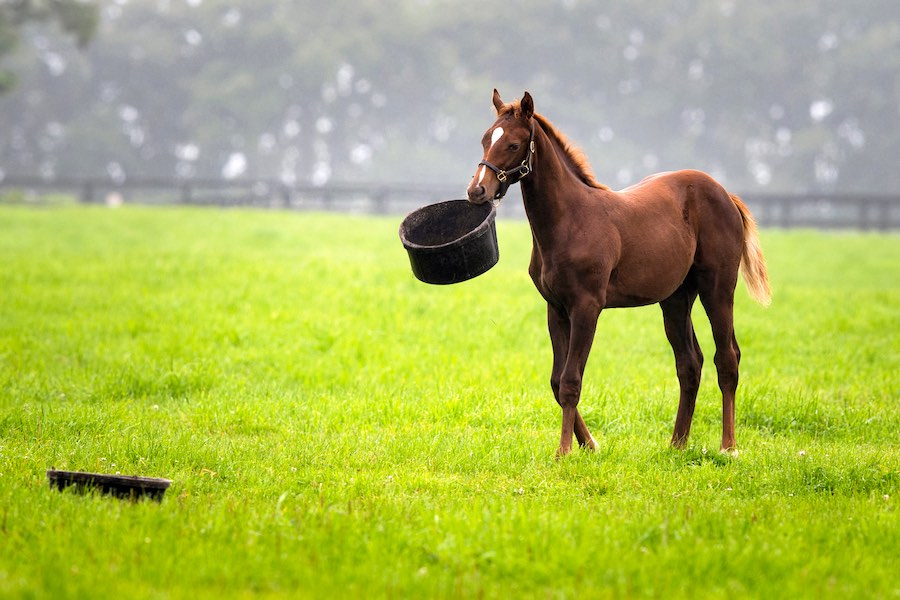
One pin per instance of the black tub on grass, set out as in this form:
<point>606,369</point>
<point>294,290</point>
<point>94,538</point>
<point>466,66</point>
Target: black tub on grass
<point>450,241</point>
<point>120,486</point>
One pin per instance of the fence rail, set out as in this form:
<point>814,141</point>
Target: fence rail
<point>819,210</point>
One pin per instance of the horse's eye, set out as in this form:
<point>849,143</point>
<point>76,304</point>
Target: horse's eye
<point>514,147</point>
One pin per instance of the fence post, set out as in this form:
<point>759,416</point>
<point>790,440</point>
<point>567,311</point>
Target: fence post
<point>379,199</point>
<point>87,192</point>
<point>185,193</point>
<point>884,215</point>
<point>284,192</point>
<point>786,212</point>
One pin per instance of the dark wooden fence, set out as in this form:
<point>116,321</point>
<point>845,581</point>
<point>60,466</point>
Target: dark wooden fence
<point>383,199</point>
<point>830,211</point>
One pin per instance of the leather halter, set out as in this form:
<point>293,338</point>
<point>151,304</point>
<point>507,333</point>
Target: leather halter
<point>519,172</point>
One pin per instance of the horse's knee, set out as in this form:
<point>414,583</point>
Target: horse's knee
<point>569,391</point>
<point>727,369</point>
<point>726,359</point>
<point>689,378</point>
<point>689,369</point>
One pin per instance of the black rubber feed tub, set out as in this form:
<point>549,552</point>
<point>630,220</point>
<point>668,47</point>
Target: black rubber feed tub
<point>120,486</point>
<point>450,241</point>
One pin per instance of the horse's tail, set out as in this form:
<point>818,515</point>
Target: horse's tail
<point>753,264</point>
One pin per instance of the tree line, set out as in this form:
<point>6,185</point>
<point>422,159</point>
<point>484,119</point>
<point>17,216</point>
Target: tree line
<point>781,97</point>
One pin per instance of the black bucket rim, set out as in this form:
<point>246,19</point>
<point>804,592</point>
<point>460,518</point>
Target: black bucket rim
<point>122,486</point>
<point>481,229</point>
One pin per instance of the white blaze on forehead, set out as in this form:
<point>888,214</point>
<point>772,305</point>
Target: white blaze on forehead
<point>496,135</point>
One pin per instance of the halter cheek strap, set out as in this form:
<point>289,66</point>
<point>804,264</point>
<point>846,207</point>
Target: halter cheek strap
<point>519,172</point>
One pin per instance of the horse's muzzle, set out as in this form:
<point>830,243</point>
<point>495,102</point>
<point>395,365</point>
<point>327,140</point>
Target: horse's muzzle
<point>477,198</point>
<point>476,194</point>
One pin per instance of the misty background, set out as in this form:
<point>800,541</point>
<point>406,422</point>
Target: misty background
<point>766,96</point>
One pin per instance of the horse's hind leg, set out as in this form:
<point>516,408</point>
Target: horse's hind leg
<point>688,357</point>
<point>718,300</point>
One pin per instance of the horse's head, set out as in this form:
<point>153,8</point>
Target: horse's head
<point>508,150</point>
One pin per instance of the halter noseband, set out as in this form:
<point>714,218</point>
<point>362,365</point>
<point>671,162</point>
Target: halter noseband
<point>520,171</point>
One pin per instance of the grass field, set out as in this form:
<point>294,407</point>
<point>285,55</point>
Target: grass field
<point>332,425</point>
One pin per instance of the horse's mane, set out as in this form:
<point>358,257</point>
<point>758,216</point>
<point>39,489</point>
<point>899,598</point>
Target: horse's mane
<point>575,157</point>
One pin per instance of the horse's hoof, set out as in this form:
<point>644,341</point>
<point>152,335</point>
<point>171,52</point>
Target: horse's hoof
<point>732,452</point>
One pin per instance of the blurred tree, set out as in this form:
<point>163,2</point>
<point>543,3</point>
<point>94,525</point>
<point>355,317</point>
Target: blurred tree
<point>781,96</point>
<point>75,17</point>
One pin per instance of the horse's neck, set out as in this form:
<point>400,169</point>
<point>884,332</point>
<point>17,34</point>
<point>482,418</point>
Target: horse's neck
<point>551,190</point>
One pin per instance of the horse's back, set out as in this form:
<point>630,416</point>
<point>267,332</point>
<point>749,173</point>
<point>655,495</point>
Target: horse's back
<point>700,200</point>
<point>657,241</point>
<point>668,224</point>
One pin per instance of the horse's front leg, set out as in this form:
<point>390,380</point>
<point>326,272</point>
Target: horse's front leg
<point>559,327</point>
<point>582,325</point>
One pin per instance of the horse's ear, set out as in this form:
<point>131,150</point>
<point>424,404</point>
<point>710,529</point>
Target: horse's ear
<point>527,106</point>
<point>498,103</point>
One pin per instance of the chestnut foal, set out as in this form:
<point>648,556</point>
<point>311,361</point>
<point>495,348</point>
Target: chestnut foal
<point>668,239</point>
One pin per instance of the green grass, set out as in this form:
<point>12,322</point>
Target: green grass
<point>334,426</point>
